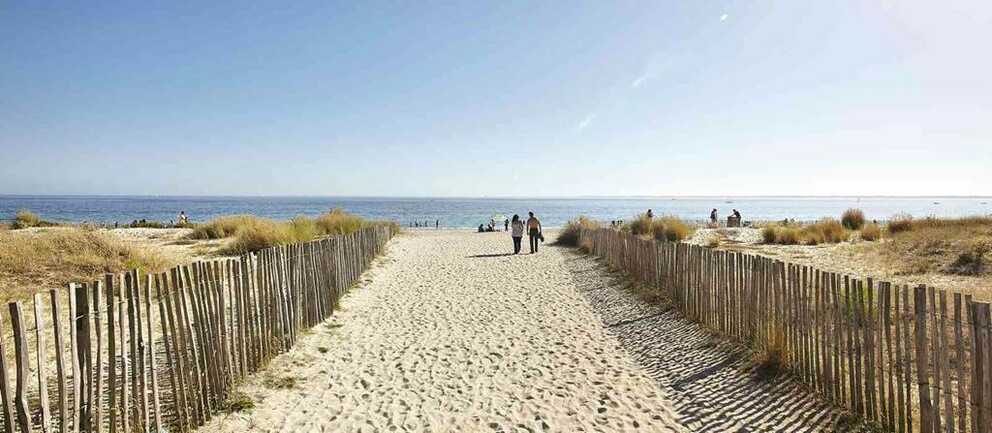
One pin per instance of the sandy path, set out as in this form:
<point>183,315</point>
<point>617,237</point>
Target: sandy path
<point>448,333</point>
<point>712,383</point>
<point>446,336</point>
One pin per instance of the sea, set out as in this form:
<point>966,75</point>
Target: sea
<point>471,212</point>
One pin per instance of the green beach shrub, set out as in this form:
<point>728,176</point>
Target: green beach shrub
<point>853,219</point>
<point>146,225</point>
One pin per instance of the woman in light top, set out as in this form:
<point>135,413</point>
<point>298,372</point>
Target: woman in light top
<point>517,234</point>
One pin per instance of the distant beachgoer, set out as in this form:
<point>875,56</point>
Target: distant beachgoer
<point>737,214</point>
<point>517,234</point>
<point>713,216</point>
<point>506,225</point>
<point>534,230</point>
<point>481,229</point>
<point>183,219</point>
<point>437,224</point>
<point>650,214</point>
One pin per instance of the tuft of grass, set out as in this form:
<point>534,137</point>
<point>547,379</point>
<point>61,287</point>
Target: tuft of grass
<point>871,232</point>
<point>569,236</point>
<point>339,222</point>
<point>769,234</point>
<point>827,230</point>
<point>52,257</point>
<point>146,224</point>
<point>222,227</point>
<point>260,234</point>
<point>281,382</point>
<point>238,401</point>
<point>666,228</point>
<point>970,261</point>
<point>27,219</point>
<point>900,223</point>
<point>787,236</point>
<point>640,225</point>
<point>853,219</point>
<point>671,229</point>
<point>770,359</point>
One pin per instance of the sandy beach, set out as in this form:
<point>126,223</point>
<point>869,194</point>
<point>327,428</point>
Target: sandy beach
<point>448,332</point>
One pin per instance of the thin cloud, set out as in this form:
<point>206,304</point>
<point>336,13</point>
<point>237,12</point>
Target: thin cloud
<point>637,82</point>
<point>585,122</point>
<point>724,17</point>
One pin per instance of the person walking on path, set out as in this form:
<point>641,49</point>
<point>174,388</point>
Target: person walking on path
<point>713,216</point>
<point>517,234</point>
<point>534,230</point>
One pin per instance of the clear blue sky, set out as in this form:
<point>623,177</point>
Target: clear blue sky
<point>496,98</point>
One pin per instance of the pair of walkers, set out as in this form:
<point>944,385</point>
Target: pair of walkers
<point>534,231</point>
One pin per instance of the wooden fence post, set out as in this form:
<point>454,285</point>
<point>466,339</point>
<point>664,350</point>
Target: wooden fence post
<point>922,357</point>
<point>6,397</point>
<point>21,363</point>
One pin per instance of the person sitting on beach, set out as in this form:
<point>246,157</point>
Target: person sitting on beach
<point>481,229</point>
<point>534,230</point>
<point>649,214</point>
<point>517,234</point>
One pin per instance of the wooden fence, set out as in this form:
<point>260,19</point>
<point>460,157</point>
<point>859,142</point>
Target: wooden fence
<point>162,352</point>
<point>907,359</point>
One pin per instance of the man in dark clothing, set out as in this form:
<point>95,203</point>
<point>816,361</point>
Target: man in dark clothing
<point>533,231</point>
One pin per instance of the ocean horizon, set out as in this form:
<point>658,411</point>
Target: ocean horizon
<point>468,212</point>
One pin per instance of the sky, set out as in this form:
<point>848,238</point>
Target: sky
<point>501,98</point>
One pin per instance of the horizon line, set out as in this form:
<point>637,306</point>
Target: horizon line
<point>546,197</point>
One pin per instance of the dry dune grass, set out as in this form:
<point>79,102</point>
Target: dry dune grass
<point>871,232</point>
<point>253,233</point>
<point>825,231</point>
<point>27,219</point>
<point>666,228</point>
<point>33,260</point>
<point>958,246</point>
<point>569,235</point>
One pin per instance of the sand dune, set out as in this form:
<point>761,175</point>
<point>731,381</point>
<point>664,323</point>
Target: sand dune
<point>449,333</point>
